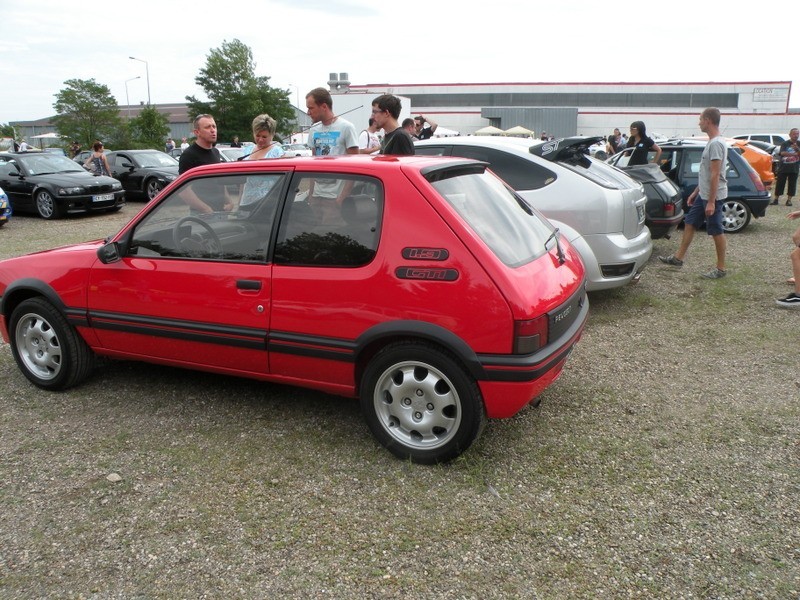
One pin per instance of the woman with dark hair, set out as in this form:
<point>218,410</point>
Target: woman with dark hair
<point>641,145</point>
<point>97,162</point>
<point>611,145</point>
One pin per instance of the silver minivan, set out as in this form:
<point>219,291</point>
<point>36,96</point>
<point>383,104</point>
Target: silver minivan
<point>599,209</point>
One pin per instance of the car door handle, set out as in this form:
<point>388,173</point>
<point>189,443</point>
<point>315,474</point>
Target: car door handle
<point>248,284</point>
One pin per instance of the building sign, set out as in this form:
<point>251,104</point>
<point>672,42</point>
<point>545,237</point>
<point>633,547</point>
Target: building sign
<point>770,94</point>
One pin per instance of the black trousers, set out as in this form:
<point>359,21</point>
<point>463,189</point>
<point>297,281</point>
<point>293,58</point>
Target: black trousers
<point>782,179</point>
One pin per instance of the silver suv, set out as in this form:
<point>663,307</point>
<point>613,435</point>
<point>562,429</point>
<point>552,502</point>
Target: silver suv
<point>597,207</point>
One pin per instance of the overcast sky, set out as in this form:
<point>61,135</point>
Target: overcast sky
<point>297,43</point>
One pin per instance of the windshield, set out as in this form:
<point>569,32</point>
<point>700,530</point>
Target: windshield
<point>155,159</point>
<point>232,153</point>
<point>48,163</point>
<point>510,227</point>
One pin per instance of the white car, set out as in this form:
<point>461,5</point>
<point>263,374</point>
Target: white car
<point>776,139</point>
<point>297,150</point>
<point>597,207</point>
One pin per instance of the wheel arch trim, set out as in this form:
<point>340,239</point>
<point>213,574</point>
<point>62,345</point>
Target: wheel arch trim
<point>23,289</point>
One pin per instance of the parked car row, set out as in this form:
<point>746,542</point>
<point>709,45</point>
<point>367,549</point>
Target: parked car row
<point>356,297</point>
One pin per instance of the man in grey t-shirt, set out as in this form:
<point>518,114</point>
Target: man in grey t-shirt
<point>705,202</point>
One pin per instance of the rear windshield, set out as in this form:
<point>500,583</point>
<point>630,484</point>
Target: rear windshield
<point>601,173</point>
<point>510,227</point>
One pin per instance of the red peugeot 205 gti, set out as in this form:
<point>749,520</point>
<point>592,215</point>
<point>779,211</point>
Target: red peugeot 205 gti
<point>422,285</point>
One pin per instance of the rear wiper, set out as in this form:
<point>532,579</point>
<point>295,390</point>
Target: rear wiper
<point>559,250</point>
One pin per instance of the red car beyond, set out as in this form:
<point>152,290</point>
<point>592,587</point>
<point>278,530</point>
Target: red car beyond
<point>422,285</point>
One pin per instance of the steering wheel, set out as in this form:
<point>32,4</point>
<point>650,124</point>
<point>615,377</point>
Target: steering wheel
<point>197,243</point>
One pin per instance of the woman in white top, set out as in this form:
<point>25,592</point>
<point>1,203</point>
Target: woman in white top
<point>258,186</point>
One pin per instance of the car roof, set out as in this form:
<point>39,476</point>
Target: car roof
<point>551,150</point>
<point>377,163</point>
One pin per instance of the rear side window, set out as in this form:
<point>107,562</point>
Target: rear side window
<point>515,232</point>
<point>330,222</point>
<point>518,172</point>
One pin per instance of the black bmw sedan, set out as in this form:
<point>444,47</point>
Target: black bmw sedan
<point>53,186</point>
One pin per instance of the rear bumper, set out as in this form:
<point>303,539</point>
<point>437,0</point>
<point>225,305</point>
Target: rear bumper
<point>758,206</point>
<point>511,382</point>
<point>661,227</point>
<point>606,255</point>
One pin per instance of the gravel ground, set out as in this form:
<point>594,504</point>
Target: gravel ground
<point>663,464</point>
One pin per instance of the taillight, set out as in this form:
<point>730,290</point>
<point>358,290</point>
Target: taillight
<point>756,181</point>
<point>530,335</point>
<point>669,209</point>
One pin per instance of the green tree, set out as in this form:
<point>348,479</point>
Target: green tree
<point>236,95</point>
<point>86,111</point>
<point>6,130</point>
<point>150,129</point>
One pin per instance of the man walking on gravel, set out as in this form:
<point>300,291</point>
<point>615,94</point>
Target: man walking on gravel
<point>705,202</point>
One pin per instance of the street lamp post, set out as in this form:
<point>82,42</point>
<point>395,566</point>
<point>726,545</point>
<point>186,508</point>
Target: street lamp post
<point>147,71</point>
<point>297,92</point>
<point>127,100</point>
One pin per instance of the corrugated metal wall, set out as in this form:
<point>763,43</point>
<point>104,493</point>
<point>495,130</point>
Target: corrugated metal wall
<point>559,122</point>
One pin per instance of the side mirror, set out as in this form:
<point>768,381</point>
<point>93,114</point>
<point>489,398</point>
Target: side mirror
<point>109,253</point>
<point>127,165</point>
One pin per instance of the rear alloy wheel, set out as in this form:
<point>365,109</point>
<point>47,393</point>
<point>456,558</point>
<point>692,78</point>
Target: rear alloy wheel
<point>48,351</point>
<point>420,403</point>
<point>153,187</point>
<point>46,205</point>
<point>735,216</point>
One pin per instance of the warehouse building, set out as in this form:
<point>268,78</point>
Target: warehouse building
<point>563,109</point>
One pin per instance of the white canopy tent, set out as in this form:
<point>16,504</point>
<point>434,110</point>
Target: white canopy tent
<point>519,131</point>
<point>490,130</point>
<point>45,137</point>
<point>445,132</point>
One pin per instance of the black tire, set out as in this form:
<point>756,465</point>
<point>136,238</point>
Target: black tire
<point>46,205</point>
<point>735,215</point>
<point>151,188</point>
<point>420,403</point>
<point>48,351</point>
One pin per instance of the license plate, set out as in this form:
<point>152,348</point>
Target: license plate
<point>102,197</point>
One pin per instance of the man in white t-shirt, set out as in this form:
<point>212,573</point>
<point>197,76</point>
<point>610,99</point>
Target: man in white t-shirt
<point>328,136</point>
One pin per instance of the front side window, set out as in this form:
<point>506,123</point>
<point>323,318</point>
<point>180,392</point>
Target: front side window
<point>330,222</point>
<point>237,230</point>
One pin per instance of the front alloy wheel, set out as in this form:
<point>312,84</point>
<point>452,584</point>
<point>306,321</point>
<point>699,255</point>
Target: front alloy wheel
<point>46,205</point>
<point>48,351</point>
<point>420,403</point>
<point>735,216</point>
<point>153,186</point>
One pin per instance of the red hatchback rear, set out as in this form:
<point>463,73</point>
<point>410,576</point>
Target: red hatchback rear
<point>423,286</point>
